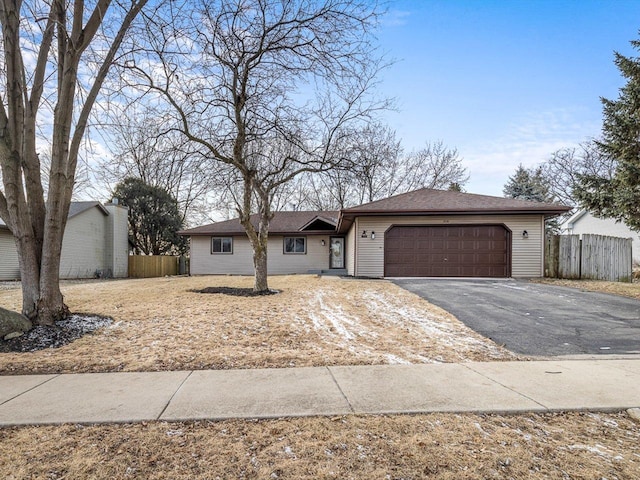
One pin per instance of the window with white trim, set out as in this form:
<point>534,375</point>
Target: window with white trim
<point>222,245</point>
<point>295,245</point>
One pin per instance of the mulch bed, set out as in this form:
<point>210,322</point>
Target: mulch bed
<point>62,333</point>
<point>236,292</point>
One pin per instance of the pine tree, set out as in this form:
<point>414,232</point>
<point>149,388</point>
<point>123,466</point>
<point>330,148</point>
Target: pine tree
<point>618,197</point>
<point>527,185</point>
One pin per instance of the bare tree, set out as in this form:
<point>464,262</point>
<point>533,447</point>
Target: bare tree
<point>563,170</point>
<point>373,166</point>
<point>51,79</point>
<point>143,149</point>
<point>266,87</point>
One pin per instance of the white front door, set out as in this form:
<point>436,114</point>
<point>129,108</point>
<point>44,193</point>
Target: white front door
<point>337,252</point>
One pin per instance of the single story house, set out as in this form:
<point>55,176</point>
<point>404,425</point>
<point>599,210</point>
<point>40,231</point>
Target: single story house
<point>584,222</point>
<point>95,243</point>
<point>424,233</point>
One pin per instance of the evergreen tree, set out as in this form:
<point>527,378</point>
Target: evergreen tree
<point>154,218</point>
<point>528,185</point>
<point>532,185</point>
<point>619,196</point>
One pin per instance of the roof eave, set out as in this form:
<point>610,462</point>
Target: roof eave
<point>483,211</point>
<point>237,234</point>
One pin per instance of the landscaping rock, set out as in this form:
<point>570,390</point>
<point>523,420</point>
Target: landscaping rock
<point>12,335</point>
<point>11,322</point>
<point>634,413</point>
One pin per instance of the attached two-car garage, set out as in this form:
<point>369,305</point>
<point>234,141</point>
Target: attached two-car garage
<point>447,251</point>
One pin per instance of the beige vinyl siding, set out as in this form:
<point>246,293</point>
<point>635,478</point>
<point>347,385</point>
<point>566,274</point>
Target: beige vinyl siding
<point>9,267</point>
<point>526,253</point>
<point>240,262</point>
<point>350,250</point>
<point>84,245</point>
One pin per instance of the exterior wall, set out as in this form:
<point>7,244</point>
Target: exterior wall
<point>240,262</point>
<point>117,241</point>
<point>84,245</point>
<point>92,242</point>
<point>350,248</point>
<point>587,223</point>
<point>527,254</point>
<point>9,267</point>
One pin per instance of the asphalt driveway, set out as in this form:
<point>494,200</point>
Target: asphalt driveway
<point>535,319</point>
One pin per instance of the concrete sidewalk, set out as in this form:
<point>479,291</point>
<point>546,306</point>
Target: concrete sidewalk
<point>499,387</point>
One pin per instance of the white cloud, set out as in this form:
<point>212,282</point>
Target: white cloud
<point>529,140</point>
<point>396,18</point>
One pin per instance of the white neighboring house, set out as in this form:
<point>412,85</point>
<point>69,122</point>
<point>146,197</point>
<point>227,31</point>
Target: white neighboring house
<point>95,243</point>
<point>583,222</point>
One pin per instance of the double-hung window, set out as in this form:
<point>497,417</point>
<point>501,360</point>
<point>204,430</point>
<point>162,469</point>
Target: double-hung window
<point>295,245</point>
<point>222,245</point>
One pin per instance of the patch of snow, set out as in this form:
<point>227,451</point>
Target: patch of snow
<point>597,449</point>
<point>63,333</point>
<point>395,360</point>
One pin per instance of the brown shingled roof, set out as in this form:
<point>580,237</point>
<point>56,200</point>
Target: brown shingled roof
<point>282,223</point>
<point>432,201</point>
<point>425,201</point>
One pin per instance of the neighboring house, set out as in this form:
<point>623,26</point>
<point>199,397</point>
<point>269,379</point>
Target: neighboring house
<point>95,243</point>
<point>430,233</point>
<point>583,222</point>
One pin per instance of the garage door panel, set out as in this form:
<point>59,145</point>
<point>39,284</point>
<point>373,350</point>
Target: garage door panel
<point>452,251</point>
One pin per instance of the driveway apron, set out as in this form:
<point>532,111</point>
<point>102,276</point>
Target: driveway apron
<point>537,319</point>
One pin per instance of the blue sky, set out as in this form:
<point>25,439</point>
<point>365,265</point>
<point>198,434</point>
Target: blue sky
<point>505,82</point>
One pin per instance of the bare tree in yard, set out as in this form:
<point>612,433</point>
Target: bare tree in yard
<point>266,87</point>
<point>565,167</point>
<point>48,86</point>
<point>375,167</point>
<point>144,149</point>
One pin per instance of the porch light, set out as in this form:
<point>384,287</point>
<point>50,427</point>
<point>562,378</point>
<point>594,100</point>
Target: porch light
<point>322,243</point>
<point>364,234</point>
<point>525,234</point>
<point>373,235</point>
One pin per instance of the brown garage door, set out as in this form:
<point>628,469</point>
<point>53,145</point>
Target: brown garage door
<point>447,251</point>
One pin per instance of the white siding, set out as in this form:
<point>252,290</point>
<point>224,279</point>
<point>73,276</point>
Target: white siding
<point>92,241</point>
<point>526,253</point>
<point>84,245</point>
<point>587,223</point>
<point>9,267</point>
<point>117,241</point>
<point>240,262</point>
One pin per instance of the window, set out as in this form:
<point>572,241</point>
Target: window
<point>295,245</point>
<point>222,245</point>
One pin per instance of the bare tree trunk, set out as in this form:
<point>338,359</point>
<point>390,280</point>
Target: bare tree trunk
<point>29,274</point>
<point>38,226</point>
<point>260,267</point>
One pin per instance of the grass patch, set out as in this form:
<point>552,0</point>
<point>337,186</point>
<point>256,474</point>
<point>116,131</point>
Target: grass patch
<point>435,446</point>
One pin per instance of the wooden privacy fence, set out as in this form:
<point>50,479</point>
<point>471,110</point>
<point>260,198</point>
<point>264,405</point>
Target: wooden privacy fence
<point>593,257</point>
<point>147,266</point>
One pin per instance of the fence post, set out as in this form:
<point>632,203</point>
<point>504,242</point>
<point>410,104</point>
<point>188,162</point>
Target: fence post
<point>551,256</point>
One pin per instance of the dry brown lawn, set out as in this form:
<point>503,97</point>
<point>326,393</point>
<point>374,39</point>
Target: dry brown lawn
<point>631,290</point>
<point>436,446</point>
<point>159,324</point>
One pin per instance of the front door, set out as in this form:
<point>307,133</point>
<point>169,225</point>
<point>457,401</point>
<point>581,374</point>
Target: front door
<point>337,252</point>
